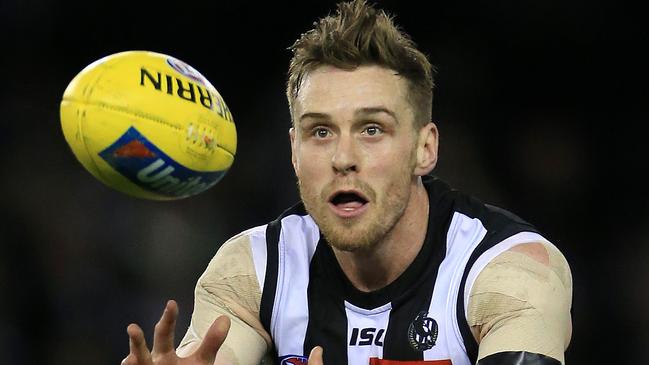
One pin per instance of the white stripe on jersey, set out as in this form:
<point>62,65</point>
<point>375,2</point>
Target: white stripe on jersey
<point>259,255</point>
<point>366,332</point>
<point>299,236</point>
<point>464,235</point>
<point>297,242</point>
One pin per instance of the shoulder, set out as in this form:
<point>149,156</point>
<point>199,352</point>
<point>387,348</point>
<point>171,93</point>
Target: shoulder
<point>250,251</point>
<point>540,263</point>
<point>242,242</point>
<point>461,213</point>
<point>235,257</point>
<point>521,301</point>
<point>230,286</point>
<point>526,272</point>
<point>547,255</point>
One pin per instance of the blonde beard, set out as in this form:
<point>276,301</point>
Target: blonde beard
<point>351,235</point>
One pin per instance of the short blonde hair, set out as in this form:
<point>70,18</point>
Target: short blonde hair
<point>360,35</point>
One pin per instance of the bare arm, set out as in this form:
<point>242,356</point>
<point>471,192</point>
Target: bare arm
<point>229,287</point>
<point>206,352</point>
<point>521,302</point>
<point>227,298</point>
<point>163,342</point>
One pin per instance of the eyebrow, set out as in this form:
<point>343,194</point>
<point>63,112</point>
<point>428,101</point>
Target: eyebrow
<point>314,116</point>
<point>359,112</point>
<point>377,110</point>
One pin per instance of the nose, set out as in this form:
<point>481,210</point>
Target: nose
<point>344,159</point>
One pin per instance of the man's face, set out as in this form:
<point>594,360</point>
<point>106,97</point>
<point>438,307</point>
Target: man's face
<point>354,152</point>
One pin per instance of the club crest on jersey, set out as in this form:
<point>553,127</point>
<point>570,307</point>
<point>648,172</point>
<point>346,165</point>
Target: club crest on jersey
<point>144,164</point>
<point>422,332</point>
<point>293,360</point>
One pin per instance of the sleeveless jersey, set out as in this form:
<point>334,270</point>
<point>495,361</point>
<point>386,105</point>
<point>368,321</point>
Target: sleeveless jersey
<point>420,318</point>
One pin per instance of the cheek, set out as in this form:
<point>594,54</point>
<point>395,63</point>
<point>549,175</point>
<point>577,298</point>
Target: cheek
<point>310,164</point>
<point>392,170</point>
<point>389,159</point>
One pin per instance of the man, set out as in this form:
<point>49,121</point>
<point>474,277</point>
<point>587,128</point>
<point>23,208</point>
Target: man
<point>380,263</point>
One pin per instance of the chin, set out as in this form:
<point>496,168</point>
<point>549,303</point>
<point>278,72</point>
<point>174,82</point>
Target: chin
<point>349,244</point>
<point>354,237</point>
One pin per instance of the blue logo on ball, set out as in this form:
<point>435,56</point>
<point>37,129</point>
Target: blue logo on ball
<point>139,160</point>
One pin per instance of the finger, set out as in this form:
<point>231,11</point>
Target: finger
<point>213,340</point>
<point>129,360</point>
<point>137,344</point>
<point>163,334</point>
<point>315,357</point>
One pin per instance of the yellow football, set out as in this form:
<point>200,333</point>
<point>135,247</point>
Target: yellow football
<point>148,125</point>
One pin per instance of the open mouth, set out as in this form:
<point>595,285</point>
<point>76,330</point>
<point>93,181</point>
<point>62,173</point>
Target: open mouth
<point>348,203</point>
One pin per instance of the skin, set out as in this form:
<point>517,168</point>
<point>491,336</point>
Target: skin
<point>163,343</point>
<point>354,131</point>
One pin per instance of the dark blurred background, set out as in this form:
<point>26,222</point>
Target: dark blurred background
<point>542,109</point>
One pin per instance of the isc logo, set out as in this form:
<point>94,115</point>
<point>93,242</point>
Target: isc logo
<point>366,337</point>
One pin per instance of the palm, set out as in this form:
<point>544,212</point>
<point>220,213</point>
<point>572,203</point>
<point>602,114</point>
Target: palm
<point>163,342</point>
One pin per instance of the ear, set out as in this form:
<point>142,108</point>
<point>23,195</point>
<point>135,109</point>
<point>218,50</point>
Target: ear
<point>427,144</point>
<point>291,134</point>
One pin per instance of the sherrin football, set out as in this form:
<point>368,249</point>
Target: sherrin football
<point>148,125</point>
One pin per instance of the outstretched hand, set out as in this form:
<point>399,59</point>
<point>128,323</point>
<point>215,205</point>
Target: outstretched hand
<point>163,342</point>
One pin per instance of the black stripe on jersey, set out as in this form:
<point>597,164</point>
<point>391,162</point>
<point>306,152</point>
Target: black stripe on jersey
<point>408,295</point>
<point>270,279</point>
<point>420,280</point>
<point>273,231</point>
<point>500,224</point>
<point>327,317</point>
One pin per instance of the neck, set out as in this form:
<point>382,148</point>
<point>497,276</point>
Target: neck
<point>377,267</point>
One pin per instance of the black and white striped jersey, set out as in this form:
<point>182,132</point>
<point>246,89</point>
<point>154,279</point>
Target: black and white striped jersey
<point>308,301</point>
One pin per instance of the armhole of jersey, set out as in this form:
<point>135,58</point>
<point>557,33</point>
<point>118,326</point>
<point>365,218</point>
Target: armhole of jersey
<point>270,278</point>
<point>480,257</point>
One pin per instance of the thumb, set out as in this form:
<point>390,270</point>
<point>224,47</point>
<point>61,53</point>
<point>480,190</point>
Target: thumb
<point>213,340</point>
<point>315,357</point>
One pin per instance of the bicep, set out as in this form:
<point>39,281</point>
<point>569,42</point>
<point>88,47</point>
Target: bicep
<point>229,286</point>
<point>243,344</point>
<point>521,302</point>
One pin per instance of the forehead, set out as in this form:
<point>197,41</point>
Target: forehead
<point>328,89</point>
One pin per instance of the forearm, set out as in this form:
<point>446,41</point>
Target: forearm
<point>242,346</point>
<point>229,287</point>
